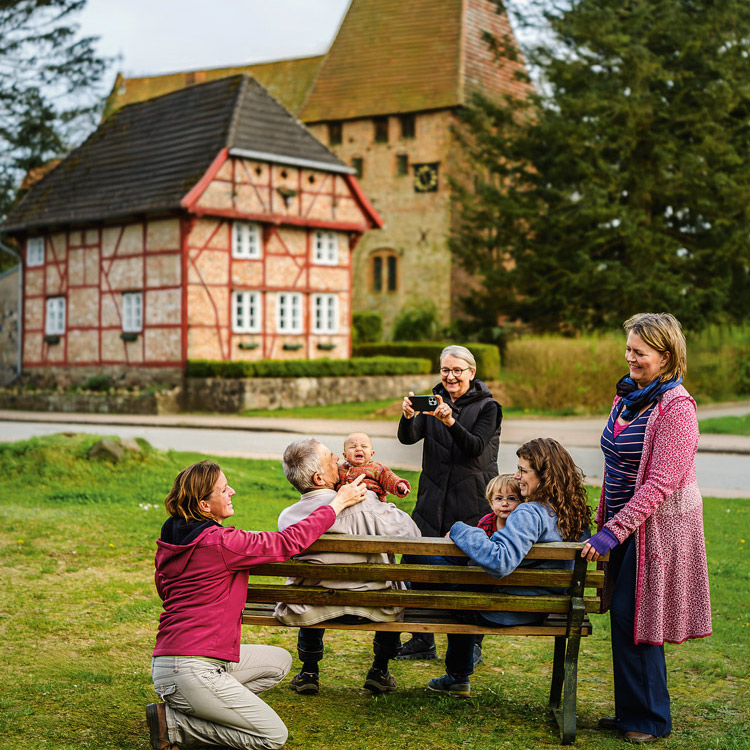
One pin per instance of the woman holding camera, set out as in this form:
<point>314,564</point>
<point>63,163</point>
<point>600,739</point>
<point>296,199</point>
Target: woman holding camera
<point>459,456</point>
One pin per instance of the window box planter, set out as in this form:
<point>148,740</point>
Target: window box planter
<point>52,339</point>
<point>292,347</point>
<point>248,345</point>
<point>129,336</point>
<point>326,347</point>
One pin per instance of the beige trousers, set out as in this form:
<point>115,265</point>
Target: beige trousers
<point>210,702</point>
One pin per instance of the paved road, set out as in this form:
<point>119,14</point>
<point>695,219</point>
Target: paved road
<point>723,462</point>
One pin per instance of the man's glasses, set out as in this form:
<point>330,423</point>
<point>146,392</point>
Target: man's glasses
<point>455,371</point>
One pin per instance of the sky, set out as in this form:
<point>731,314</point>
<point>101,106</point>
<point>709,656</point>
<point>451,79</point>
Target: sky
<point>163,36</point>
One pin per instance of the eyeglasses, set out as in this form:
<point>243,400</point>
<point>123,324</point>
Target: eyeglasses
<point>455,371</point>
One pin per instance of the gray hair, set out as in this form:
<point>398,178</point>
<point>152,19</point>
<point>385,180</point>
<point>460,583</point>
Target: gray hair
<point>301,460</point>
<point>460,352</point>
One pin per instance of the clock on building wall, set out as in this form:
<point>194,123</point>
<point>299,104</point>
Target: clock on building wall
<point>426,177</point>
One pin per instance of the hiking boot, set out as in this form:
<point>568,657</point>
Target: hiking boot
<point>418,647</point>
<point>305,683</point>
<point>156,718</point>
<point>448,685</point>
<point>378,682</point>
<point>478,654</point>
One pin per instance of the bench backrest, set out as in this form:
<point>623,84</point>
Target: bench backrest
<point>574,586</point>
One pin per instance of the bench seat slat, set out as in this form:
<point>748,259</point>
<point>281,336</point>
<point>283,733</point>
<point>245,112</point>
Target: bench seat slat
<point>419,621</point>
<point>460,574</point>
<point>471,600</point>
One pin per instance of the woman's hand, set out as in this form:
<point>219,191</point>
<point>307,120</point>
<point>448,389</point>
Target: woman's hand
<point>589,552</point>
<point>350,494</point>
<point>443,413</point>
<point>406,407</point>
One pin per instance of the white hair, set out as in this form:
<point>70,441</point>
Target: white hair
<point>460,352</point>
<point>301,460</point>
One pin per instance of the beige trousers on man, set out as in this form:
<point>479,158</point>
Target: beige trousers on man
<point>210,702</point>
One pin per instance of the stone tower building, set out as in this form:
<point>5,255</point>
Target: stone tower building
<point>384,99</point>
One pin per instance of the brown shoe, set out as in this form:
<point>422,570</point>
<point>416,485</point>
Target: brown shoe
<point>156,718</point>
<point>639,738</point>
<point>608,722</point>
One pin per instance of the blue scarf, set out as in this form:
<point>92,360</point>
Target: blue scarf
<point>634,399</point>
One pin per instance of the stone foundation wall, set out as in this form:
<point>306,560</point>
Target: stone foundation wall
<point>233,395</point>
<point>122,376</point>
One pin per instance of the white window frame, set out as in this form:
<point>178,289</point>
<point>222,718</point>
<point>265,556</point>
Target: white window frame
<point>34,252</point>
<point>247,240</point>
<point>289,312</point>
<point>247,312</point>
<point>132,312</point>
<point>326,248</point>
<point>325,313</point>
<point>54,319</point>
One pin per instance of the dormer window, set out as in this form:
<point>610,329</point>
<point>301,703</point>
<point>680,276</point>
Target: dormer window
<point>247,241</point>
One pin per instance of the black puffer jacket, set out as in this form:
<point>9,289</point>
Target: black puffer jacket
<point>457,461</point>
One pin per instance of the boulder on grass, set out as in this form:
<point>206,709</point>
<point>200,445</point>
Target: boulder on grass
<point>106,450</point>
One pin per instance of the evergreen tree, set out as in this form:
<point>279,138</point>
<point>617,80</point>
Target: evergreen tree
<point>48,76</point>
<point>622,184</point>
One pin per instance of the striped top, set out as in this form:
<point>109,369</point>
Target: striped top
<point>622,448</point>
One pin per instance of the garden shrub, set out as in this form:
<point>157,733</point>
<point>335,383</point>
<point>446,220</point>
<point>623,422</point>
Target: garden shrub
<point>98,382</point>
<point>418,322</point>
<point>486,355</point>
<point>367,327</point>
<point>308,368</point>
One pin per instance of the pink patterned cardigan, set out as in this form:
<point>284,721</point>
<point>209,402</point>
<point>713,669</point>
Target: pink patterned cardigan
<point>666,515</point>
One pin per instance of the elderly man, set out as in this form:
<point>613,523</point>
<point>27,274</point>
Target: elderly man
<point>313,470</point>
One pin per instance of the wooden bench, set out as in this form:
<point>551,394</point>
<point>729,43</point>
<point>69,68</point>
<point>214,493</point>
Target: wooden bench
<point>429,610</point>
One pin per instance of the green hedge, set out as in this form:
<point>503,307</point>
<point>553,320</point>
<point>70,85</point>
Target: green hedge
<point>367,327</point>
<point>308,368</point>
<point>486,355</point>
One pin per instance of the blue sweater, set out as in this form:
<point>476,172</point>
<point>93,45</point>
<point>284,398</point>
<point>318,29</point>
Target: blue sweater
<point>502,553</point>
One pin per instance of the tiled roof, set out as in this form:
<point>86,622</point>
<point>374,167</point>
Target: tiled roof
<point>289,81</point>
<point>147,156</point>
<point>391,56</point>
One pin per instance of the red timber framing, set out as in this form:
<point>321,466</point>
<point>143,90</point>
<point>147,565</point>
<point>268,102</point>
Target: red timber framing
<point>93,279</point>
<point>93,266</point>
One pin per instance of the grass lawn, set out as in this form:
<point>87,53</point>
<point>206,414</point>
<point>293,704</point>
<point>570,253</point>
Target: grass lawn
<point>726,425</point>
<point>79,611</point>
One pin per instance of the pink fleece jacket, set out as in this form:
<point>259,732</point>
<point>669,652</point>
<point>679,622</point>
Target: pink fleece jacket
<point>204,584</point>
<point>672,600</point>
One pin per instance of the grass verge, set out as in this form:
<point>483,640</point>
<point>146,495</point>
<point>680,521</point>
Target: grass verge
<point>78,616</point>
<point>726,425</point>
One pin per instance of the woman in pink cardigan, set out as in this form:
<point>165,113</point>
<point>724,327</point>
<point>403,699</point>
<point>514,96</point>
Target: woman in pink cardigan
<point>650,520</point>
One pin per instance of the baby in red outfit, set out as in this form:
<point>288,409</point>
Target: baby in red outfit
<point>358,453</point>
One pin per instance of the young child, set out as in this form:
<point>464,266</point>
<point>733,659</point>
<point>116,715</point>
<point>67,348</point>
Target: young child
<point>358,453</point>
<point>503,493</point>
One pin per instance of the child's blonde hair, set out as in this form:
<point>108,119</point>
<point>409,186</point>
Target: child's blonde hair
<point>500,481</point>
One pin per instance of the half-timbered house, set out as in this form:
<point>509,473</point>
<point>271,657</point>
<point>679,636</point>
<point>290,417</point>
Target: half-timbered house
<point>203,224</point>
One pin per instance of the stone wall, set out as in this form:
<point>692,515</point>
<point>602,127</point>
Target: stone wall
<point>8,324</point>
<point>113,402</point>
<point>233,395</point>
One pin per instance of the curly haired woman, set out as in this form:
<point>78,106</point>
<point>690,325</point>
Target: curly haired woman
<point>556,510</point>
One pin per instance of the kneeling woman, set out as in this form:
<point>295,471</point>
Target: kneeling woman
<point>556,510</point>
<point>207,679</point>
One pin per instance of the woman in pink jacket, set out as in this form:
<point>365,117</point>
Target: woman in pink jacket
<point>650,519</point>
<point>206,678</point>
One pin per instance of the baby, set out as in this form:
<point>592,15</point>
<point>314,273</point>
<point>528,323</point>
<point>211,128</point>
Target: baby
<point>358,453</point>
<point>503,493</point>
